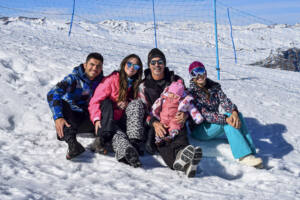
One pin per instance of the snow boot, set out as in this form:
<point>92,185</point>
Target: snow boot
<point>252,161</point>
<point>137,145</point>
<point>98,146</point>
<point>75,149</point>
<point>183,158</point>
<point>132,157</point>
<point>191,169</point>
<point>150,146</point>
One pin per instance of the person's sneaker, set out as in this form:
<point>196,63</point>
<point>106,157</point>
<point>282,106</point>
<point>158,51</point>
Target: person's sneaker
<point>75,149</point>
<point>132,157</point>
<point>252,161</point>
<point>97,146</point>
<point>183,158</point>
<point>191,169</point>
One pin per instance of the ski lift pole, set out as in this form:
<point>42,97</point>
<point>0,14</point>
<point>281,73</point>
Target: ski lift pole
<point>154,23</point>
<point>72,18</point>
<point>216,39</point>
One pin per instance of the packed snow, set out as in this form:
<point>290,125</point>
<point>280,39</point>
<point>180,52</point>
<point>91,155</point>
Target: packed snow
<point>36,54</point>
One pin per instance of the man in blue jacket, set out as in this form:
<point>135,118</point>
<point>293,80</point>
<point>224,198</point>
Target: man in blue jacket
<point>69,99</point>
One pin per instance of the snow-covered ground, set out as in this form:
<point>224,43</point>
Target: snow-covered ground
<point>36,54</point>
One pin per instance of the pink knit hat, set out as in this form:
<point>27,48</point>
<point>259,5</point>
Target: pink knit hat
<point>177,88</point>
<point>194,65</point>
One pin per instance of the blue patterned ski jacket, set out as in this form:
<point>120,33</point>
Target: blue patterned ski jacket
<point>76,89</point>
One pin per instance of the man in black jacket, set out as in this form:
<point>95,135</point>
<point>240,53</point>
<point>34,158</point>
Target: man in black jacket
<point>157,78</point>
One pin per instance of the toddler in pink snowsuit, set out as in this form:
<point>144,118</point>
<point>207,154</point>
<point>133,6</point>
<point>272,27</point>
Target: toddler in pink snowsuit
<point>173,100</point>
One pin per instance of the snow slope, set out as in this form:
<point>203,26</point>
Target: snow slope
<point>36,54</point>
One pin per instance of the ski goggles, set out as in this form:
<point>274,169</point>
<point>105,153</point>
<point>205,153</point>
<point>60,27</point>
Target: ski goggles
<point>159,62</point>
<point>135,66</point>
<point>197,71</point>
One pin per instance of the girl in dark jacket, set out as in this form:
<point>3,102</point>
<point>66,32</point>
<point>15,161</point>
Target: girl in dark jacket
<point>208,97</point>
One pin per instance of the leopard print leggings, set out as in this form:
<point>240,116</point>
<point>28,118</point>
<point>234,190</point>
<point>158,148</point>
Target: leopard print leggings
<point>134,128</point>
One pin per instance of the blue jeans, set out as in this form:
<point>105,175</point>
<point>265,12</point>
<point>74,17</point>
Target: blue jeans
<point>240,140</point>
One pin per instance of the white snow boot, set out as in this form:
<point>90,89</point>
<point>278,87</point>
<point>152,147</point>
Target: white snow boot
<point>252,161</point>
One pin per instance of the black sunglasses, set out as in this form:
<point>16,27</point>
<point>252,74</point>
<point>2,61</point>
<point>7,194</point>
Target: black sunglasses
<point>159,62</point>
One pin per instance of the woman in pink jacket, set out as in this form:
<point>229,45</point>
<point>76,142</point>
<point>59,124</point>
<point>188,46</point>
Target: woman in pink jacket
<point>117,114</point>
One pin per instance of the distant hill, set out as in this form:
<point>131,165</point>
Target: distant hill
<point>282,59</point>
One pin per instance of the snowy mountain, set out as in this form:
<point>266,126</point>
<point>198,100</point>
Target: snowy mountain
<point>36,53</point>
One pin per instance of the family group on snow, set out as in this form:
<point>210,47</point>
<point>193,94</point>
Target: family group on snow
<point>127,112</point>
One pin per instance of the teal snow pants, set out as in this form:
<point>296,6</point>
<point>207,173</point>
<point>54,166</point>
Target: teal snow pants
<point>240,140</point>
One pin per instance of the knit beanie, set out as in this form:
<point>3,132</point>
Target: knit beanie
<point>155,52</point>
<point>194,65</point>
<point>177,88</point>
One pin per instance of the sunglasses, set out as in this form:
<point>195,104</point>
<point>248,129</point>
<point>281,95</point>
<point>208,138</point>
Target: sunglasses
<point>159,62</point>
<point>197,71</point>
<point>135,66</point>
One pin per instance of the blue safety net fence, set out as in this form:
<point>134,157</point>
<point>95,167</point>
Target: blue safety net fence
<point>178,23</point>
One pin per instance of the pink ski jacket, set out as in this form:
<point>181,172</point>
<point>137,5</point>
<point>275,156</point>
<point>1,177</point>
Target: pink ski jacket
<point>108,88</point>
<point>185,105</point>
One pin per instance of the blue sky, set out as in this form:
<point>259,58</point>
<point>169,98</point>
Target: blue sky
<point>278,11</point>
